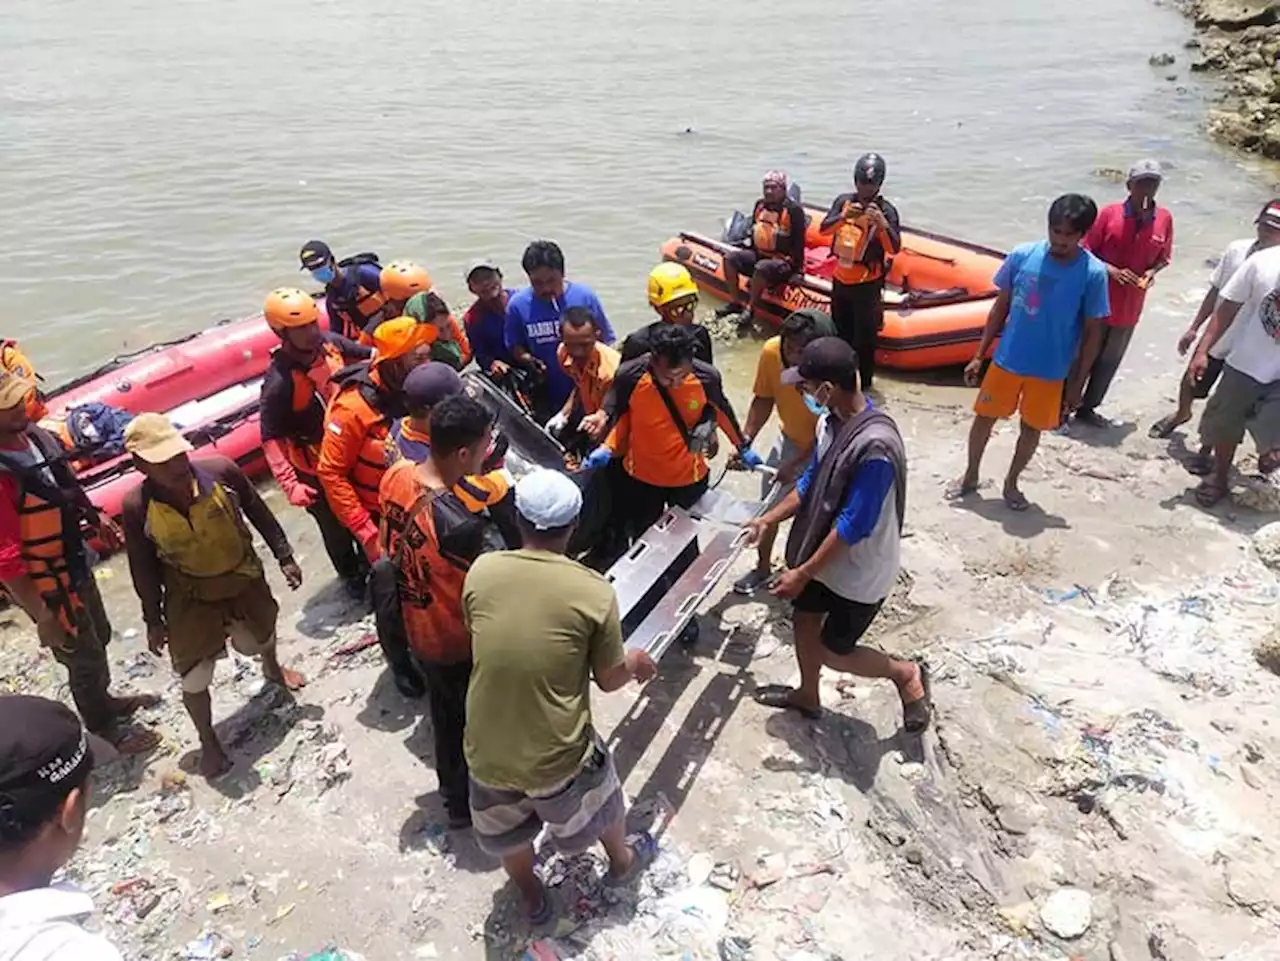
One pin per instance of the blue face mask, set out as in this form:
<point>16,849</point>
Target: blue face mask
<point>816,409</point>
<point>324,275</point>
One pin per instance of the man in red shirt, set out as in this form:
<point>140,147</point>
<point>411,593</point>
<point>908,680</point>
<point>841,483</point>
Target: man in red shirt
<point>1134,239</point>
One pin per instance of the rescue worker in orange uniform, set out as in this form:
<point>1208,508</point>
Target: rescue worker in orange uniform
<point>777,246</point>
<point>591,365</point>
<point>353,296</point>
<point>450,521</point>
<point>296,389</point>
<point>15,362</point>
<point>45,565</point>
<point>354,452</point>
<point>867,234</point>
<point>661,413</point>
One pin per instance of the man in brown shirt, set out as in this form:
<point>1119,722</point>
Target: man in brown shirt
<point>195,570</point>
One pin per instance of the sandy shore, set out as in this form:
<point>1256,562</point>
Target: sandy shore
<point>1102,728</point>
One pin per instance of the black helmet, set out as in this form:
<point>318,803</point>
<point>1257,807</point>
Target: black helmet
<point>869,169</point>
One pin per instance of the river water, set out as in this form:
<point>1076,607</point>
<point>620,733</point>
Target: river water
<point>163,162</point>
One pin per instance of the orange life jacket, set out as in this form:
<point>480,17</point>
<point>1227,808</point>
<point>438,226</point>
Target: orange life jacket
<point>15,361</point>
<point>428,578</point>
<point>364,310</point>
<point>353,451</point>
<point>771,230</point>
<point>312,391</point>
<point>53,551</point>
<point>852,237</point>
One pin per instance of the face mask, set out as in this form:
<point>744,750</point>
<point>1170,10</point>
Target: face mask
<point>816,409</point>
<point>324,275</point>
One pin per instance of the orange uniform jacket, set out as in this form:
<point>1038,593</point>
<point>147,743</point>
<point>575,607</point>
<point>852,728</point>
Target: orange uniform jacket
<point>592,380</point>
<point>644,432</point>
<point>439,548</point>
<point>353,453</point>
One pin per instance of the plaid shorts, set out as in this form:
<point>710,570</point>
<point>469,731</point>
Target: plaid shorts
<point>576,812</point>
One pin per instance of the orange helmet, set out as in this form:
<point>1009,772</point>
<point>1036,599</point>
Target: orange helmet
<point>402,279</point>
<point>290,307</point>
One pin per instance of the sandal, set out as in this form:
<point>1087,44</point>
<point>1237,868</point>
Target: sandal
<point>779,697</point>
<point>1164,427</point>
<point>958,489</point>
<point>1201,465</point>
<point>644,848</point>
<point>1209,494</point>
<point>1016,501</point>
<point>542,913</point>
<point>917,715</point>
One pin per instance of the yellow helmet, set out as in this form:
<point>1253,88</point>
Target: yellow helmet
<point>668,282</point>
<point>402,279</point>
<point>290,307</point>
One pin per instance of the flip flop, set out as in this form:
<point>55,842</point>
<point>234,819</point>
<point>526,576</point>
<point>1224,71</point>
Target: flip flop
<point>542,913</point>
<point>131,704</point>
<point>778,697</point>
<point>957,489</point>
<point>644,847</point>
<point>917,715</point>
<point>1200,465</point>
<point>1164,427</point>
<point>1208,495</point>
<point>1016,501</point>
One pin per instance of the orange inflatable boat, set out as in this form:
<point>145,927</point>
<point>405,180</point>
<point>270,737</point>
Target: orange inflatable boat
<point>936,300</point>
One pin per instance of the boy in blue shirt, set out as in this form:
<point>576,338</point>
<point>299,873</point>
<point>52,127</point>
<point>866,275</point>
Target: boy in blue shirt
<point>532,331</point>
<point>1051,306</point>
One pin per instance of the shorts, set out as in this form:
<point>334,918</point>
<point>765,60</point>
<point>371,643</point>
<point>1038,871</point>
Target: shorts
<point>1239,402</point>
<point>846,620</point>
<point>1003,392</point>
<point>243,639</point>
<point>783,451</point>
<point>774,270</point>
<point>576,812</point>
<point>1201,388</point>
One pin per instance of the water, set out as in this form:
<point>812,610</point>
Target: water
<point>163,162</point>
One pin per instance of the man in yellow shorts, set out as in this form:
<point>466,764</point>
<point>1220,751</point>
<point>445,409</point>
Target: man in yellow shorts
<point>1051,307</point>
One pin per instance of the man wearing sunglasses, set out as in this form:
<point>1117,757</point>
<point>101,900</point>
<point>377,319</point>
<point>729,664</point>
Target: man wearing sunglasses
<point>674,296</point>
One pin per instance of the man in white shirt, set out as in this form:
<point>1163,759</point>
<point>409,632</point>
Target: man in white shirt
<point>1191,389</point>
<point>46,757</point>
<point>1248,395</point>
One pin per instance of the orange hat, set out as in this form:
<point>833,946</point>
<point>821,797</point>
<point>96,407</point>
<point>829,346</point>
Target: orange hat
<point>289,307</point>
<point>395,338</point>
<point>402,279</point>
<point>14,388</point>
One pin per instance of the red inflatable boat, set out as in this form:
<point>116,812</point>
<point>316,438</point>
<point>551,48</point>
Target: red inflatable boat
<point>208,383</point>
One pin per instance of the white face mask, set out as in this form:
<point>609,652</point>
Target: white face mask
<point>816,407</point>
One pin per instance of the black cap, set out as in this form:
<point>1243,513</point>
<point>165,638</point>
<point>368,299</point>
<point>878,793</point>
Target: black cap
<point>430,383</point>
<point>45,753</point>
<point>827,358</point>
<point>315,254</point>
<point>1270,216</point>
<point>870,169</point>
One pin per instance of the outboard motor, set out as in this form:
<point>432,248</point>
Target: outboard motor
<point>736,229</point>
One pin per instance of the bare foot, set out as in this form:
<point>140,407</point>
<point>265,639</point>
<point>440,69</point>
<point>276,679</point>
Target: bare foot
<point>135,740</point>
<point>213,761</point>
<point>123,707</point>
<point>962,487</point>
<point>291,679</point>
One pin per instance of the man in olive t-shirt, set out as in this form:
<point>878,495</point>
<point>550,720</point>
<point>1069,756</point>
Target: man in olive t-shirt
<point>542,626</point>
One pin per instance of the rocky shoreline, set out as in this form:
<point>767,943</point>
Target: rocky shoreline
<point>1240,41</point>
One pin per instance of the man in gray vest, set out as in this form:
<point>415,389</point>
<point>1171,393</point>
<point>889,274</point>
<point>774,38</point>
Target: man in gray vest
<point>843,552</point>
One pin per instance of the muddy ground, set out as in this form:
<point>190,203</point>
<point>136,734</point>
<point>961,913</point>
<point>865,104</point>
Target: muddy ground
<point>1101,781</point>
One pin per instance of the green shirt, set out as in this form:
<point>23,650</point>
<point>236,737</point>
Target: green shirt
<point>540,625</point>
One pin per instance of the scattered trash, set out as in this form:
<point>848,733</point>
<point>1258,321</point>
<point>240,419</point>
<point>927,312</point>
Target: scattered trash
<point>219,902</point>
<point>1067,912</point>
<point>355,647</point>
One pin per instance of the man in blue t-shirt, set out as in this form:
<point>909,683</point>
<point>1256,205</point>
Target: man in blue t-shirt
<point>1051,306</point>
<point>532,330</point>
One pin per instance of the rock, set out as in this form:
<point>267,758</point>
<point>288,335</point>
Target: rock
<point>1237,14</point>
<point>1162,59</point>
<point>1246,888</point>
<point>1266,544</point>
<point>1166,944</point>
<point>1067,912</point>
<point>1267,653</point>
